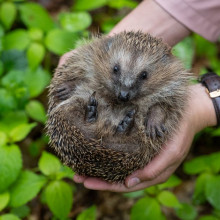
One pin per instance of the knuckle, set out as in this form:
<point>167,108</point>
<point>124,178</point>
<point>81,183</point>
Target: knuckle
<point>151,174</point>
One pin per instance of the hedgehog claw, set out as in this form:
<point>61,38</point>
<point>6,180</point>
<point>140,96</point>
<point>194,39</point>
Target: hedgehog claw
<point>92,113</point>
<point>62,93</point>
<point>126,123</point>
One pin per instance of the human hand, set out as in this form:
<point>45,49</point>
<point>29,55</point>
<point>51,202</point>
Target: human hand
<point>200,113</point>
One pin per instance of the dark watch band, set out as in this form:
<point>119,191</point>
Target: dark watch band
<point>212,82</point>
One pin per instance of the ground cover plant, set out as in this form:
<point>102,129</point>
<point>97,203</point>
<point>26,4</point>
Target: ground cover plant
<point>33,182</point>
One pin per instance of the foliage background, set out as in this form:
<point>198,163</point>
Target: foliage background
<point>33,182</point>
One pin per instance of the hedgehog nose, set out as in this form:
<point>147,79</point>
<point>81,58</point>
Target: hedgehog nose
<point>124,96</point>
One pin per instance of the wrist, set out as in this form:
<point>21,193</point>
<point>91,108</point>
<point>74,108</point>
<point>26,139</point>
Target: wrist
<point>203,112</point>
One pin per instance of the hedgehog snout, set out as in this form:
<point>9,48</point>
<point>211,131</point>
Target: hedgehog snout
<point>124,96</point>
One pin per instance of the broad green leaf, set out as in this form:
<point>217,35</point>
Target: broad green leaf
<point>146,208</point>
<point>36,34</point>
<point>208,217</point>
<point>35,54</point>
<point>4,199</point>
<point>11,120</point>
<point>152,190</point>
<point>60,41</point>
<point>3,138</point>
<point>65,172</point>
<point>26,188</point>
<point>17,39</point>
<point>49,164</point>
<point>84,5</point>
<point>2,31</point>
<point>9,217</point>
<point>14,60</point>
<point>36,111</point>
<point>35,16</point>
<point>76,21</point>
<point>118,4</point>
<point>7,101</point>
<point>184,50</point>
<point>212,191</point>
<point>21,131</point>
<point>168,199</point>
<point>13,78</point>
<point>135,194</point>
<point>7,14</point>
<point>173,181</point>
<point>36,81</point>
<point>21,211</point>
<point>10,165</point>
<point>199,196</point>
<point>196,165</point>
<point>59,198</point>
<point>88,214</point>
<point>186,212</point>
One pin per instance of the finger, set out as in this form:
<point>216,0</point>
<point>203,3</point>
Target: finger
<point>64,58</point>
<point>98,184</point>
<point>79,179</point>
<point>172,153</point>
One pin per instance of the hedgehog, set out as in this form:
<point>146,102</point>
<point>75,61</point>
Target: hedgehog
<point>114,103</point>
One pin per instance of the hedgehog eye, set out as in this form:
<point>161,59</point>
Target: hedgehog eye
<point>116,69</point>
<point>143,75</point>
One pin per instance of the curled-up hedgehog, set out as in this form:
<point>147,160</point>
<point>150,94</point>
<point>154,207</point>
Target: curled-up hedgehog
<point>114,103</point>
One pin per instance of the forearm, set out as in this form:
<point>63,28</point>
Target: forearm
<point>149,17</point>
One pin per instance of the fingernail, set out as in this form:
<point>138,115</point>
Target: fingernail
<point>133,182</point>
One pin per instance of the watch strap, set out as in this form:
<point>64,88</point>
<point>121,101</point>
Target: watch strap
<point>212,82</point>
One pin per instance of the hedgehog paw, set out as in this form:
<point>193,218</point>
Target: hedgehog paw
<point>155,130</point>
<point>126,123</point>
<point>62,93</point>
<point>92,113</point>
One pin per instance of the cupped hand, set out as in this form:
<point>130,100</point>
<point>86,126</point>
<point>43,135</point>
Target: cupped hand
<point>200,113</point>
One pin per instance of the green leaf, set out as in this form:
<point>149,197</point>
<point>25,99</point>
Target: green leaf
<point>14,59</point>
<point>184,50</point>
<point>60,41</point>
<point>65,172</point>
<point>35,16</point>
<point>84,5</point>
<point>208,217</point>
<point>199,196</point>
<point>7,101</point>
<point>21,211</point>
<point>36,111</point>
<point>4,199</point>
<point>3,138</point>
<point>26,188</point>
<point>7,14</point>
<point>17,39</point>
<point>35,54</point>
<point>118,4</point>
<point>9,217</point>
<point>196,165</point>
<point>59,198</point>
<point>1,67</point>
<point>88,214</point>
<point>11,120</point>
<point>135,194</point>
<point>76,21</point>
<point>168,199</point>
<point>13,78</point>
<point>35,34</point>
<point>36,81</point>
<point>186,212</point>
<point>49,164</point>
<point>146,208</point>
<point>10,165</point>
<point>21,131</point>
<point>173,181</point>
<point>212,191</point>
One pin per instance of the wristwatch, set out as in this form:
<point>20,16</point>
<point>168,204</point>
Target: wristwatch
<point>212,83</point>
